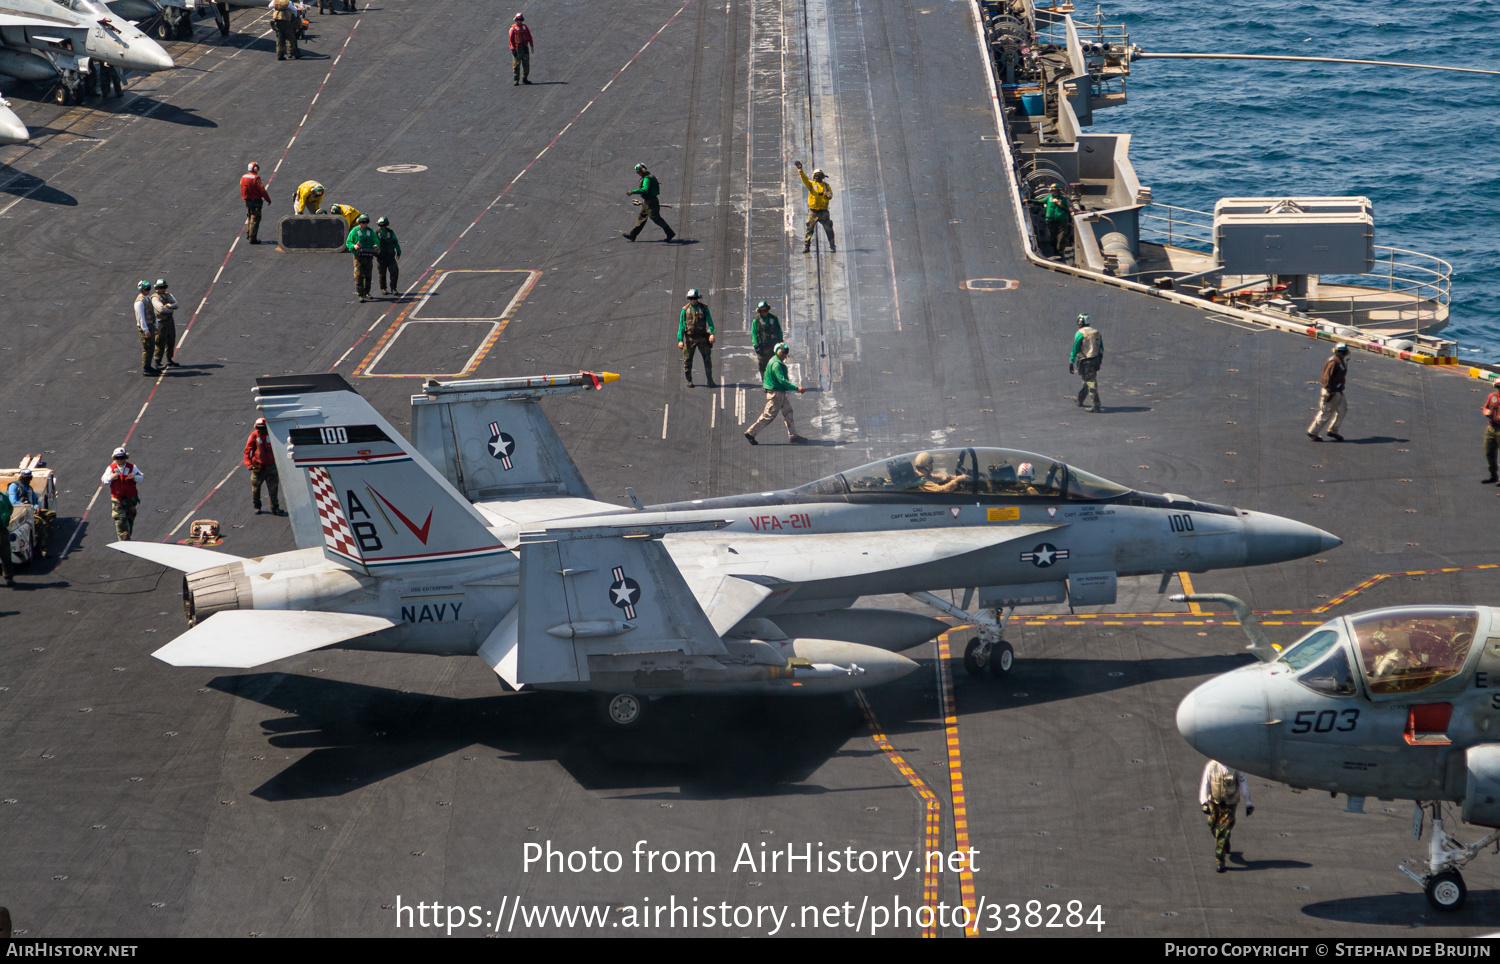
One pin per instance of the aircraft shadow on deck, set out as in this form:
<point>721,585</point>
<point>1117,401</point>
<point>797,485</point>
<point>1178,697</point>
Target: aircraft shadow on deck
<point>163,111</point>
<point>706,746</point>
<point>30,186</point>
<point>1051,680</point>
<point>1409,910</point>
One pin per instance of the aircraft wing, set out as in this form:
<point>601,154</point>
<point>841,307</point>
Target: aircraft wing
<point>173,556</point>
<point>834,555</point>
<point>513,517</point>
<point>241,638</point>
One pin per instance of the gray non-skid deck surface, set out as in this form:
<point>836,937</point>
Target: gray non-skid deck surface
<point>304,797</point>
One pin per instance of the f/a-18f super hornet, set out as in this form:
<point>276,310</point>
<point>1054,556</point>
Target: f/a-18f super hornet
<point>43,38</point>
<point>481,537</point>
<point>1400,703</point>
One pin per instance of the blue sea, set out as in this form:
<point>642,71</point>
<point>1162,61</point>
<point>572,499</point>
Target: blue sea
<point>1423,145</point>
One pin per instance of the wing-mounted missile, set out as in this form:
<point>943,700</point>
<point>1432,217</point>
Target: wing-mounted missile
<point>491,439</point>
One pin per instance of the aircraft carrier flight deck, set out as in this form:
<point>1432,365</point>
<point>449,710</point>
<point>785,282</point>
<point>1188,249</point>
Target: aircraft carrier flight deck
<point>315,796</point>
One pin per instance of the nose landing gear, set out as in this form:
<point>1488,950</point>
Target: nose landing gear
<point>987,651</point>
<point>1444,882</point>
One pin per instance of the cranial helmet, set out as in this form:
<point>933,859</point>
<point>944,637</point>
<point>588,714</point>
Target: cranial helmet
<point>384,222</point>
<point>519,17</point>
<point>143,284</point>
<point>363,219</point>
<point>692,292</point>
<point>260,423</point>
<point>640,168</point>
<point>1341,350</point>
<point>763,304</point>
<point>120,453</point>
<point>782,346</point>
<point>253,167</point>
<point>1083,320</point>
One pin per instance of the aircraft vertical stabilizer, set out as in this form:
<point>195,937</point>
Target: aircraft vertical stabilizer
<point>356,488</point>
<point>603,591</point>
<point>491,439</point>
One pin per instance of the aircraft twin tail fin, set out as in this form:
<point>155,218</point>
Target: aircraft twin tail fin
<point>602,591</point>
<point>491,439</point>
<point>365,495</point>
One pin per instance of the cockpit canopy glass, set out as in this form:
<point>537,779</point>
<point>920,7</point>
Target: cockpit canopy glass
<point>1310,648</point>
<point>1405,651</point>
<point>979,472</point>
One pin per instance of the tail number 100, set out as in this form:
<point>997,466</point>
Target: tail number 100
<point>337,435</point>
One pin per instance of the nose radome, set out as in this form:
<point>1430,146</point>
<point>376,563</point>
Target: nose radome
<point>12,131</point>
<point>1272,538</point>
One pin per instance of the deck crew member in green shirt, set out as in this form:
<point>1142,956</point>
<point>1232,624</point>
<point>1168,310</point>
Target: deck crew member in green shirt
<point>777,384</point>
<point>1088,355</point>
<point>650,207</point>
<point>389,256</point>
<point>695,330</point>
<point>365,245</point>
<point>765,334</point>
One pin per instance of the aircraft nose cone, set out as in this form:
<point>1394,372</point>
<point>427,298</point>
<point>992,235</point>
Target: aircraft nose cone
<point>12,131</point>
<point>146,54</point>
<point>1271,538</point>
<point>1225,719</point>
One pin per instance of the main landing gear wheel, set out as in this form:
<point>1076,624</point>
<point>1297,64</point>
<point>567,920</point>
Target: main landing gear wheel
<point>974,664</point>
<point>622,709</point>
<point>1002,658</point>
<point>62,95</point>
<point>1446,891</point>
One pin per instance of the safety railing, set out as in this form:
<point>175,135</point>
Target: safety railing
<point>1178,227</point>
<point>1417,287</point>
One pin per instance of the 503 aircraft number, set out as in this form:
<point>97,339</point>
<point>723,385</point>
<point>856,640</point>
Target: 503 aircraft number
<point>1325,721</point>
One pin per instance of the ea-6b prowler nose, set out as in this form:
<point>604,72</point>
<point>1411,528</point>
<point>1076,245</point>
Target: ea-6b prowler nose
<point>1271,538</point>
<point>1225,719</point>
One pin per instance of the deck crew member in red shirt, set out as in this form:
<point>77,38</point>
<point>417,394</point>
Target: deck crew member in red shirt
<point>253,190</point>
<point>521,47</point>
<point>260,459</point>
<point>121,476</point>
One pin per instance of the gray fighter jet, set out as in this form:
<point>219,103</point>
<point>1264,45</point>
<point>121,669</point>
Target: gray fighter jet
<point>1399,703</point>
<point>480,537</point>
<point>40,39</point>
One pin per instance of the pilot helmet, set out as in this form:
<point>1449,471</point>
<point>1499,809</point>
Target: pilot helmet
<point>923,462</point>
<point>1024,472</point>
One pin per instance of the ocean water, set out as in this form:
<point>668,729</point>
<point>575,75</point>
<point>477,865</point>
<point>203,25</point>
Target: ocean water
<point>1423,145</point>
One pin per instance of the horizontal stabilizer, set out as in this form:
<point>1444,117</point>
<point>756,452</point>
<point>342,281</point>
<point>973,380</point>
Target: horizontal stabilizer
<point>173,556</point>
<point>241,638</point>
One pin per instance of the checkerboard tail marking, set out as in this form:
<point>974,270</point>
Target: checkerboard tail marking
<point>337,535</point>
